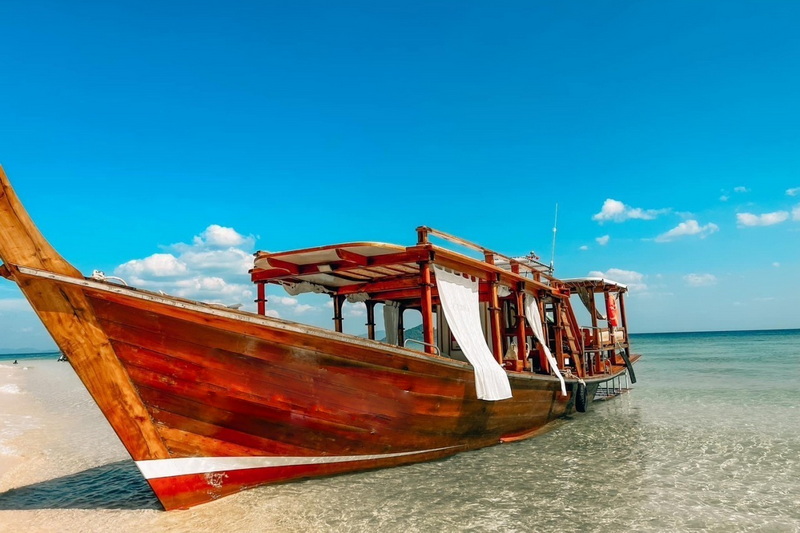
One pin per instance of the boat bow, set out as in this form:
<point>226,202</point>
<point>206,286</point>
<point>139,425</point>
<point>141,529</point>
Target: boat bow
<point>70,320</point>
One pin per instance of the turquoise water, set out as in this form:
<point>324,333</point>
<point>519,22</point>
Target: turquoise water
<point>707,440</point>
<point>26,356</point>
<point>728,379</point>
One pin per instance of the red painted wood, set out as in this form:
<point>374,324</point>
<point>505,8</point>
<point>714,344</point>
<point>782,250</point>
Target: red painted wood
<point>217,386</point>
<point>177,379</point>
<point>186,491</point>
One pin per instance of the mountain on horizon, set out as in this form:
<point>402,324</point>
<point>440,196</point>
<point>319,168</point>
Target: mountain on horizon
<point>411,333</point>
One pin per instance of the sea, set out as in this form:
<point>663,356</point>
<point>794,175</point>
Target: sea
<point>708,439</point>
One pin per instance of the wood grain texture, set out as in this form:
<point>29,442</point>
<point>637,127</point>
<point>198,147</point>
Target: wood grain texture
<point>69,319</point>
<point>178,380</point>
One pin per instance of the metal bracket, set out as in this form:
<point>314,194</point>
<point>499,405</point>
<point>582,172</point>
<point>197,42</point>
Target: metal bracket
<point>405,343</point>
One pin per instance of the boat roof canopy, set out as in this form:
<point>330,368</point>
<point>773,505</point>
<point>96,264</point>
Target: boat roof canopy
<point>594,285</point>
<point>335,266</point>
<point>384,271</point>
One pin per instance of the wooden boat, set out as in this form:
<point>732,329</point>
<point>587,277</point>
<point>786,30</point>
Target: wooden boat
<point>210,401</point>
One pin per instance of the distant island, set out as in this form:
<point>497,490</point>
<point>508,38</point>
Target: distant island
<point>414,333</point>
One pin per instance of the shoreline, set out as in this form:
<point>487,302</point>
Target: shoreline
<point>53,426</point>
<point>16,406</point>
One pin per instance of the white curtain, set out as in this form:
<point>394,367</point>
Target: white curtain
<point>535,320</point>
<point>391,319</point>
<point>459,297</point>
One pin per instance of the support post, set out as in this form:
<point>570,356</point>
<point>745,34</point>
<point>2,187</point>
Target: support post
<point>261,299</point>
<point>522,352</point>
<point>426,301</point>
<point>623,318</point>
<point>401,329</point>
<point>559,333</point>
<point>611,320</point>
<point>544,363</point>
<point>338,320</point>
<point>371,319</point>
<point>594,338</point>
<point>422,235</point>
<point>494,315</point>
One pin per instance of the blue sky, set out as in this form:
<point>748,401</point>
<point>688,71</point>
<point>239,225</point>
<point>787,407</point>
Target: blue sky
<point>166,141</point>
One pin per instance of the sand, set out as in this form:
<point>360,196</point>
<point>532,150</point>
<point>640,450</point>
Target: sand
<point>63,469</point>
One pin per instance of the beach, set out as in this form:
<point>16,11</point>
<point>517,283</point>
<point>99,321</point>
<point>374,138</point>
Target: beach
<point>707,440</point>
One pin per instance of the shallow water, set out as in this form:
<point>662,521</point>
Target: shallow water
<point>708,440</point>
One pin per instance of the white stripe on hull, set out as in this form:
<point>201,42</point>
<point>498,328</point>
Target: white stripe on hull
<point>158,468</point>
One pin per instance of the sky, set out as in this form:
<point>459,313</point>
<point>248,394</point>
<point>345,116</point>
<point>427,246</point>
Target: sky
<point>165,142</point>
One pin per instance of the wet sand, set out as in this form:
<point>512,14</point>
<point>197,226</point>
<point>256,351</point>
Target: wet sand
<point>63,469</point>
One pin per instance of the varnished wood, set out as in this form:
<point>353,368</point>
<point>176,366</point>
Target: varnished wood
<point>352,257</point>
<point>179,380</point>
<point>494,317</point>
<point>69,319</point>
<point>261,300</point>
<point>522,349</point>
<point>426,304</point>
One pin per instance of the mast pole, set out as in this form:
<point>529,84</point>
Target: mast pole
<point>553,252</point>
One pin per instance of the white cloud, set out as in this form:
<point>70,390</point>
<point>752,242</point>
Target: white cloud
<point>795,191</point>
<point>583,248</point>
<point>293,306</point>
<point>602,241</point>
<point>232,260</point>
<point>283,300</point>
<point>157,265</point>
<point>767,219</point>
<point>634,280</point>
<point>726,195</point>
<point>289,305</point>
<point>213,289</point>
<point>700,280</point>
<point>796,213</point>
<point>776,264</point>
<point>616,211</point>
<point>216,235</point>
<point>213,268</point>
<point>355,310</point>
<point>690,227</point>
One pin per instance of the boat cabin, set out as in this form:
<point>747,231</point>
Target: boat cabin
<point>525,313</point>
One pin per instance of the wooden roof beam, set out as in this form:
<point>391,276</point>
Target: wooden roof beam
<point>483,270</point>
<point>283,269</point>
<point>352,257</point>
<point>410,295</point>
<point>292,268</point>
<point>382,286</point>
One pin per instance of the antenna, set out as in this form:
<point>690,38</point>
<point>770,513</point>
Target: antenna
<point>553,253</point>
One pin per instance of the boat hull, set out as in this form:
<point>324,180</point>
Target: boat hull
<point>211,401</point>
<point>281,401</point>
